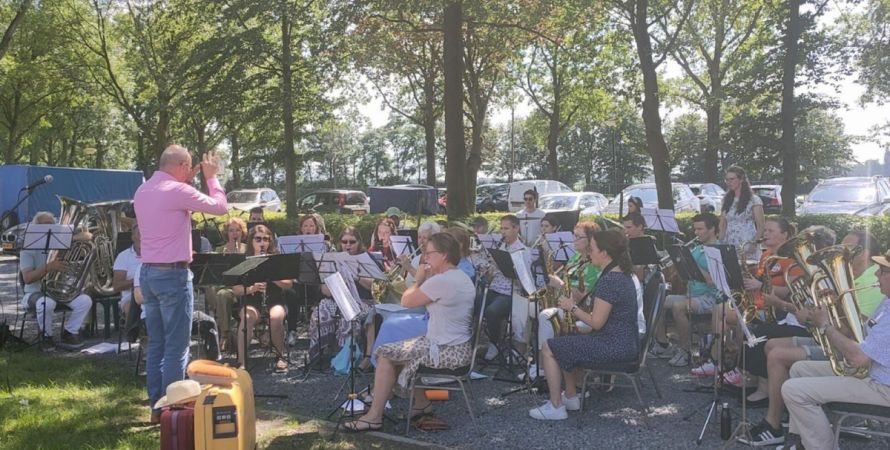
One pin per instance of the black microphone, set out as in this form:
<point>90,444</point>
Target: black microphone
<point>45,180</point>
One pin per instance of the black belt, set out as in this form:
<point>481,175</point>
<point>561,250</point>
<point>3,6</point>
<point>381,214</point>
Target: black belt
<point>175,265</point>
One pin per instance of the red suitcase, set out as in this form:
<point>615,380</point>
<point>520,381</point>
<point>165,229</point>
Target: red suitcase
<point>178,427</point>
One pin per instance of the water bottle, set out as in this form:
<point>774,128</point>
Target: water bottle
<point>725,422</point>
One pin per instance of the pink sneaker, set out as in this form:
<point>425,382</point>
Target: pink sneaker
<point>705,370</point>
<point>734,378</point>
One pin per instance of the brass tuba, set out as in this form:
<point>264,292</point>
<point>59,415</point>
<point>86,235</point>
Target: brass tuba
<point>800,248</point>
<point>835,263</point>
<point>91,259</point>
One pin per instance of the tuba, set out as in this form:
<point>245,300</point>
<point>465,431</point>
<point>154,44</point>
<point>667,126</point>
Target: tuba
<point>90,261</point>
<point>835,263</point>
<point>800,248</point>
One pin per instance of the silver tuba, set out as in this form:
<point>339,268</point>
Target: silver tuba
<point>90,259</point>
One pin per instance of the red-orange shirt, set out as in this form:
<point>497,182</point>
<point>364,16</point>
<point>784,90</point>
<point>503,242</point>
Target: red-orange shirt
<point>776,274</point>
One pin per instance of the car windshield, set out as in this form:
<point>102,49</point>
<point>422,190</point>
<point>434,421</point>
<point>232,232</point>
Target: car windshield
<point>764,192</point>
<point>242,197</point>
<point>482,191</point>
<point>559,202</point>
<point>845,193</point>
<point>648,195</point>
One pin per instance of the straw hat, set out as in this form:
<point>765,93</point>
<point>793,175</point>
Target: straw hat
<point>179,392</point>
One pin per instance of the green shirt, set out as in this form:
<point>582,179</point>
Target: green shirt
<point>870,297</point>
<point>591,273</point>
<point>697,288</point>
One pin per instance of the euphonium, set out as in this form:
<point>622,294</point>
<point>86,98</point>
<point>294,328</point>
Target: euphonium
<point>843,309</point>
<point>391,291</point>
<point>800,248</point>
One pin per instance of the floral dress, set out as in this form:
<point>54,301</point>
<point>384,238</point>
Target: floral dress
<point>740,227</point>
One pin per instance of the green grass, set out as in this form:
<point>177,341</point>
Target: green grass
<point>57,401</point>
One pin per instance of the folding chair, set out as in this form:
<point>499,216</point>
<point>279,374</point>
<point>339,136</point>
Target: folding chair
<point>32,310</point>
<point>461,375</point>
<point>653,295</point>
<point>844,410</point>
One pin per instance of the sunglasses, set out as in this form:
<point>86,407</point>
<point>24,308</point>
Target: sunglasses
<point>262,239</point>
<point>529,199</point>
<point>348,241</point>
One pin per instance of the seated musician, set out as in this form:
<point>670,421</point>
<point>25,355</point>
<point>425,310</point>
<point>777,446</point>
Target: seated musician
<point>499,300</point>
<point>635,227</point>
<point>699,299</point>
<point>262,241</point>
<point>447,293</point>
<point>223,299</point>
<point>582,276</point>
<point>34,267</point>
<point>782,353</point>
<point>776,232</point>
<point>613,321</point>
<point>325,331</point>
<point>787,323</point>
<point>126,263</point>
<point>813,383</point>
<point>257,215</point>
<point>380,241</point>
<point>409,263</point>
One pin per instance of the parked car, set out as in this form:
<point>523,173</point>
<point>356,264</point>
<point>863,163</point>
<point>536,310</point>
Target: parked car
<point>586,202</point>
<point>334,201</point>
<point>847,195</point>
<point>684,199</point>
<point>247,199</point>
<point>443,200</point>
<point>491,197</point>
<point>508,196</point>
<point>771,195</point>
<point>710,196</point>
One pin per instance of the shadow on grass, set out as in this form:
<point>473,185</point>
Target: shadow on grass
<point>65,402</point>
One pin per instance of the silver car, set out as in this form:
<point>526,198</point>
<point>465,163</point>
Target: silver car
<point>847,195</point>
<point>684,199</point>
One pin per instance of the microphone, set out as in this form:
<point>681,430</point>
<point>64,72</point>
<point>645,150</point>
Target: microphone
<point>45,180</point>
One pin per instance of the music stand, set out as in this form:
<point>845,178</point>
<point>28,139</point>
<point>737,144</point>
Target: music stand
<point>408,232</point>
<point>313,268</point>
<point>660,219</point>
<point>642,251</point>
<point>402,245</point>
<point>687,268</point>
<point>210,267</point>
<point>504,263</point>
<point>566,220</point>
<point>301,243</point>
<point>46,237</point>
<point>561,244</point>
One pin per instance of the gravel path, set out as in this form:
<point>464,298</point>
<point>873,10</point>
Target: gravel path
<point>610,420</point>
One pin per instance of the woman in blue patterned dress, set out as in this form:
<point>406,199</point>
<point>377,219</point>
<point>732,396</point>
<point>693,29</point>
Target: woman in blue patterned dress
<point>613,320</point>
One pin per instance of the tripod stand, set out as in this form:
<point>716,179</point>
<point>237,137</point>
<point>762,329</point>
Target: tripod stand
<point>506,351</point>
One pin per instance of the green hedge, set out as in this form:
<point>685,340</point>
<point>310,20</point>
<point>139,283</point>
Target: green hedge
<point>841,224</point>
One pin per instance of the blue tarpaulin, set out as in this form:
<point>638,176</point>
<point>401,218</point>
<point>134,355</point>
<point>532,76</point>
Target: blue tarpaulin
<point>408,198</point>
<point>86,185</point>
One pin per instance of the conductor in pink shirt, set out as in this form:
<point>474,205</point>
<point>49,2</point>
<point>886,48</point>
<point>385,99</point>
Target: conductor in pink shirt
<point>164,205</point>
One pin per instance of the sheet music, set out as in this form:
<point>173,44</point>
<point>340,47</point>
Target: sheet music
<point>489,241</point>
<point>36,233</point>
<point>325,263</point>
<point>301,243</point>
<point>561,244</point>
<point>401,245</point>
<point>717,270</point>
<point>660,219</point>
<point>341,260</point>
<point>345,301</point>
<point>523,271</point>
<point>365,267</point>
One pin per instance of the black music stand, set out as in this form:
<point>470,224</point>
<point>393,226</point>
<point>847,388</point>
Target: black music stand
<point>560,247</point>
<point>642,251</point>
<point>208,269</point>
<point>504,263</point>
<point>313,268</point>
<point>258,269</point>
<point>566,220</point>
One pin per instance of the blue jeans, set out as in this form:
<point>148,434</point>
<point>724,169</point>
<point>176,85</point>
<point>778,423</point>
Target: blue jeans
<point>168,304</point>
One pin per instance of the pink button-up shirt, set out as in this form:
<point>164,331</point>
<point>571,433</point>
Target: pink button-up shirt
<point>163,210</point>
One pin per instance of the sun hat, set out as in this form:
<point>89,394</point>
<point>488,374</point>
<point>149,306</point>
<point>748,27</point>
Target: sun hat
<point>179,392</point>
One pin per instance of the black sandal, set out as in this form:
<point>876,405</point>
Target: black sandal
<point>351,427</point>
<point>419,413</point>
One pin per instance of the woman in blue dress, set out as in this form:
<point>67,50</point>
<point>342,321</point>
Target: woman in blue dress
<point>613,320</point>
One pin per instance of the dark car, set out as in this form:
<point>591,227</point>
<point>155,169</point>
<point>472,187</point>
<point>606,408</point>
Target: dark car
<point>771,195</point>
<point>492,197</point>
<point>334,201</point>
<point>847,195</point>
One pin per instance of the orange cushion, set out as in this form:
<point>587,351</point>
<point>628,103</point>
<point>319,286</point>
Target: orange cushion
<point>211,372</point>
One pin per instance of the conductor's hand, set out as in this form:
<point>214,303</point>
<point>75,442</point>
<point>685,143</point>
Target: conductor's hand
<point>566,303</point>
<point>210,165</point>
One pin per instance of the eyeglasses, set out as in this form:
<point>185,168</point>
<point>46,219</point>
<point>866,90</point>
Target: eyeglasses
<point>348,241</point>
<point>529,199</point>
<point>430,252</point>
<point>262,239</point>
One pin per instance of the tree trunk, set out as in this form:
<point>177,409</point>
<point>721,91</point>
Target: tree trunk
<point>6,41</point>
<point>455,147</point>
<point>789,152</point>
<point>162,129</point>
<point>658,150</point>
<point>100,154</point>
<point>290,157</point>
<point>235,143</point>
<point>552,143</point>
<point>429,132</point>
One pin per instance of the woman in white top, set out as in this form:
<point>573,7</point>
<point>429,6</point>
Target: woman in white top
<point>448,295</point>
<point>742,218</point>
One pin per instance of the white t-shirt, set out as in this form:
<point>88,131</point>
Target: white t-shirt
<point>136,284</point>
<point>129,262</point>
<point>641,318</point>
<point>451,311</point>
<point>530,225</point>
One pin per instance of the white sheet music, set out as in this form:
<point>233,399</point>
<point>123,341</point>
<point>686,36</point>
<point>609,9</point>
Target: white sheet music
<point>523,271</point>
<point>365,267</point>
<point>301,243</point>
<point>345,301</point>
<point>562,244</point>
<point>660,219</point>
<point>401,245</point>
<point>36,234</point>
<point>717,270</point>
<point>489,241</point>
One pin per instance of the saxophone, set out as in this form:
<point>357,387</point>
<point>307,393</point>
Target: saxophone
<point>843,309</point>
<point>742,297</point>
<point>568,326</point>
<point>766,286</point>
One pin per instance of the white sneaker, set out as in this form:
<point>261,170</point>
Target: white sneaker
<point>491,353</point>
<point>680,359</point>
<point>657,351</point>
<point>571,403</point>
<point>548,412</point>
